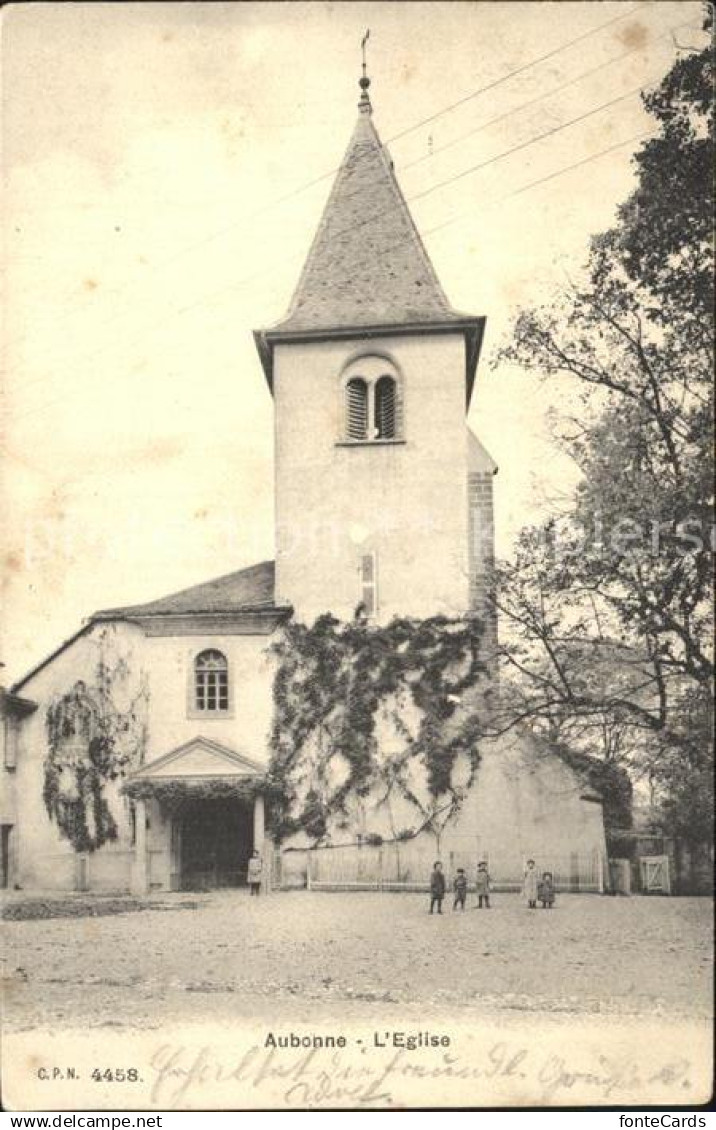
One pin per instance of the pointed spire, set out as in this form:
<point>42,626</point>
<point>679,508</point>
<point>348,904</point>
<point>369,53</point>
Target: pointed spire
<point>367,269</point>
<point>364,82</point>
<point>367,263</point>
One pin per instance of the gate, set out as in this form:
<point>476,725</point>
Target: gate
<point>655,878</point>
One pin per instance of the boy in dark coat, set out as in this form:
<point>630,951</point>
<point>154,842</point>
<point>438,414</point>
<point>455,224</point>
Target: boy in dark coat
<point>437,887</point>
<point>460,889</point>
<point>545,890</point>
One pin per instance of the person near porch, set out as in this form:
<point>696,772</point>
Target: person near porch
<point>529,886</point>
<point>437,888</point>
<point>255,872</point>
<point>483,885</point>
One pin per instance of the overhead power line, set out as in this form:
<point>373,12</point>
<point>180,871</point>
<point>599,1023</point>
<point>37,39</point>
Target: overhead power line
<point>531,141</point>
<point>462,173</point>
<point>517,109</point>
<point>415,126</point>
<point>517,71</point>
<point>167,261</point>
<point>541,180</point>
<point>577,164</point>
<point>524,105</point>
<point>451,220</point>
<point>372,217</point>
<point>351,267</point>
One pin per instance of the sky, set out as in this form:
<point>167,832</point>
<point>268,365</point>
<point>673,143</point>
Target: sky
<point>165,167</point>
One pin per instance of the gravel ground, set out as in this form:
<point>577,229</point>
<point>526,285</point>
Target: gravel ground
<point>316,954</point>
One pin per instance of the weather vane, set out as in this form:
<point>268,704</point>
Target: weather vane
<point>364,81</point>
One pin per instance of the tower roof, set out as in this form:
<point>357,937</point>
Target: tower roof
<point>367,269</point>
<point>367,263</point>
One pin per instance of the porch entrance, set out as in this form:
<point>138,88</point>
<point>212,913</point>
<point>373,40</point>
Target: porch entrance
<point>215,840</point>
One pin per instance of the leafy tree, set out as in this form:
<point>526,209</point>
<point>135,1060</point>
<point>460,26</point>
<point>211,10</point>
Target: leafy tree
<point>609,608</point>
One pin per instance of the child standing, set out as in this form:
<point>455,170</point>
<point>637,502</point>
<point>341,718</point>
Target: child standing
<point>545,890</point>
<point>437,887</point>
<point>254,875</point>
<point>529,886</point>
<point>460,888</point>
<point>483,885</point>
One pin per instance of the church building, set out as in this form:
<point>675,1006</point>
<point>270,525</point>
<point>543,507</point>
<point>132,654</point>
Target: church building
<point>384,506</point>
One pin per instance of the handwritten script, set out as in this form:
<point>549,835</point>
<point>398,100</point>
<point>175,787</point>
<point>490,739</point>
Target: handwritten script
<point>321,1077</point>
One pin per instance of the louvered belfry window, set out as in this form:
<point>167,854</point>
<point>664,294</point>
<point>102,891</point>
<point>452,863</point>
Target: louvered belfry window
<point>385,408</point>
<point>357,408</point>
<point>211,674</point>
<point>372,401</point>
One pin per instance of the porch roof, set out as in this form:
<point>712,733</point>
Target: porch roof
<point>197,760</point>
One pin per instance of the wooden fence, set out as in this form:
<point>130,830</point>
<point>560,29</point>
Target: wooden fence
<point>406,866</point>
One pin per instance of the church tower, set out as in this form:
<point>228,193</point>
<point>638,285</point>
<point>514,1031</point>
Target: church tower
<point>383,496</point>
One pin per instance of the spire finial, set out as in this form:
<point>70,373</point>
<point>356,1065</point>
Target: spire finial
<point>364,82</point>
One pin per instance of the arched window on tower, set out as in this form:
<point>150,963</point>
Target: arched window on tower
<point>385,406</point>
<point>372,410</point>
<point>211,682</point>
<point>357,408</point>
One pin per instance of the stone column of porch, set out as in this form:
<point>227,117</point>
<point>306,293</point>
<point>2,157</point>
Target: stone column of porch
<point>140,865</point>
<point>260,839</point>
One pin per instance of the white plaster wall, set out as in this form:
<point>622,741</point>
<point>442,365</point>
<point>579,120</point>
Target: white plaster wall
<point>524,803</point>
<point>44,859</point>
<point>7,775</point>
<point>527,804</point>
<point>172,720</point>
<point>407,502</point>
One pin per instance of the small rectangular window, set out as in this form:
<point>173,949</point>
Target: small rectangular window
<point>369,584</point>
<point>11,737</point>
